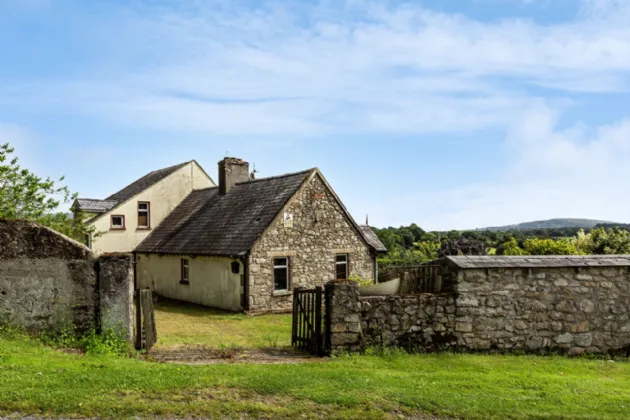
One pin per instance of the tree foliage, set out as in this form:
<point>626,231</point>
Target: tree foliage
<point>24,195</point>
<point>428,246</point>
<point>462,246</point>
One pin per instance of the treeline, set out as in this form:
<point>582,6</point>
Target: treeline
<point>409,245</point>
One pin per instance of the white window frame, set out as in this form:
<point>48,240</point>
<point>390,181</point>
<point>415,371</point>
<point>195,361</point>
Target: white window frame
<point>184,265</point>
<point>281,267</point>
<point>338,263</point>
<point>117,227</point>
<point>147,211</point>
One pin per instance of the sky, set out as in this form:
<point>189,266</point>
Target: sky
<point>450,114</point>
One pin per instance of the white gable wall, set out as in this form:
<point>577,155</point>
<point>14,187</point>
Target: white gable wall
<point>164,197</point>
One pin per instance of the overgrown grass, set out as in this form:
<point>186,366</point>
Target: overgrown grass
<point>105,343</point>
<point>181,324</point>
<point>35,379</point>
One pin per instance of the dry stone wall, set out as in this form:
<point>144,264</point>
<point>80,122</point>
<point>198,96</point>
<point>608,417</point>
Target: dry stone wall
<point>49,282</point>
<point>319,231</point>
<point>562,309</point>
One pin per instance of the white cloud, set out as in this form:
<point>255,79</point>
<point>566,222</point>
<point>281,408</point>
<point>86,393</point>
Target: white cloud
<point>361,66</point>
<point>556,173</point>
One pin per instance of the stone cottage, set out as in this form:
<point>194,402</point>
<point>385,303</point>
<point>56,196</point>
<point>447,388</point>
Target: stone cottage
<point>246,244</point>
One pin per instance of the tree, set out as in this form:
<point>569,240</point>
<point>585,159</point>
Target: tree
<point>462,246</point>
<point>536,246</point>
<point>510,247</point>
<point>608,241</point>
<point>24,195</point>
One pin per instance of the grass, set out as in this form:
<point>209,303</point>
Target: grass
<point>35,379</point>
<point>186,324</point>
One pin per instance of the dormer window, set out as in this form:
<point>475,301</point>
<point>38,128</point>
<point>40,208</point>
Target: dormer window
<point>118,222</point>
<point>144,216</point>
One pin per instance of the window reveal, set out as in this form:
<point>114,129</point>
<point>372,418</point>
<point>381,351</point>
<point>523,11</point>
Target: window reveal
<point>341,266</point>
<point>281,273</point>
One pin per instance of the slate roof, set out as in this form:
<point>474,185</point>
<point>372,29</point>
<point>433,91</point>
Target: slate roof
<point>211,224</point>
<point>143,183</point>
<point>372,239</point>
<point>463,261</point>
<point>92,205</point>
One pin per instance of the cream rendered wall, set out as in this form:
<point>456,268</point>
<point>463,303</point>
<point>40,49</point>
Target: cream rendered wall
<point>211,281</point>
<point>163,196</point>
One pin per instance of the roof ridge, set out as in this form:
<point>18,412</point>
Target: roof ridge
<point>269,178</point>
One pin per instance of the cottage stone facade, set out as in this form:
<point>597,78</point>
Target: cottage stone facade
<point>320,230</point>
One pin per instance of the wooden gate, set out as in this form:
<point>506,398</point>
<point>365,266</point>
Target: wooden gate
<point>146,330</point>
<point>308,325</point>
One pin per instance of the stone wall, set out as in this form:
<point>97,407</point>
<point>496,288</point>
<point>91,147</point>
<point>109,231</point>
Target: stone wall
<point>577,310</point>
<point>116,290</point>
<point>565,309</point>
<point>320,231</point>
<point>49,282</point>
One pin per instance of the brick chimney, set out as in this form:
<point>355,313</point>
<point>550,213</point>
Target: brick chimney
<point>231,171</point>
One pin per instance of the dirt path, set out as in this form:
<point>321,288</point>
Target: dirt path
<point>205,356</point>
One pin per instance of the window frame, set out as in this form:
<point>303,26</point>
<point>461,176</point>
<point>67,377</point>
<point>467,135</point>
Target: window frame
<point>346,263</point>
<point>148,212</point>
<point>117,227</point>
<point>287,268</point>
<point>184,269</point>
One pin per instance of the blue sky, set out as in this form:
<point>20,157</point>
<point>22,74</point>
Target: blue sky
<point>451,114</point>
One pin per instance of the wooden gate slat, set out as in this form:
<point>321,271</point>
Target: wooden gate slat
<point>307,320</point>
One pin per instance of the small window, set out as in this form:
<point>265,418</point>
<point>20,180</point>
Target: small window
<point>281,273</point>
<point>185,271</point>
<point>341,266</point>
<point>118,222</point>
<point>144,217</point>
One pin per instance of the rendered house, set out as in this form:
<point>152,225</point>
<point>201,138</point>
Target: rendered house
<point>124,219</point>
<point>246,244</point>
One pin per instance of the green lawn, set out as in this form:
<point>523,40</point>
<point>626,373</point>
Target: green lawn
<point>37,380</point>
<point>181,324</point>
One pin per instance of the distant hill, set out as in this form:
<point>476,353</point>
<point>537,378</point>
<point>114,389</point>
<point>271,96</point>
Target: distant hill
<point>551,224</point>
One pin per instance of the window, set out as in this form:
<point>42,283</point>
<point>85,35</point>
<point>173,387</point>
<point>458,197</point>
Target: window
<point>341,266</point>
<point>281,273</point>
<point>118,222</point>
<point>185,271</point>
<point>144,219</point>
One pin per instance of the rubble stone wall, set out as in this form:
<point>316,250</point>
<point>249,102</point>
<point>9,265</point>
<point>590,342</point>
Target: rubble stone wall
<point>565,309</point>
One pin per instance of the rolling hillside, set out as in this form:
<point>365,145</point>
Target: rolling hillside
<point>550,224</point>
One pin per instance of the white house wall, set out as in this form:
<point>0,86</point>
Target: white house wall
<point>164,197</point>
<point>211,281</point>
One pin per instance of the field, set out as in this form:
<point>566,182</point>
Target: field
<point>35,379</point>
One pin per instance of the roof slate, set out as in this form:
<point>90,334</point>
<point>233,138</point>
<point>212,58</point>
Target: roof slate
<point>549,261</point>
<point>143,183</point>
<point>92,205</point>
<point>207,223</point>
<point>372,239</point>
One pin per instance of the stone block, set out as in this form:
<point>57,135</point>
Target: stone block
<point>463,327</point>
<point>565,338</point>
<point>583,340</point>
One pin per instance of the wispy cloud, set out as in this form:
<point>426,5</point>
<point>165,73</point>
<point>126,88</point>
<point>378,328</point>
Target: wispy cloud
<point>297,69</point>
<point>341,67</point>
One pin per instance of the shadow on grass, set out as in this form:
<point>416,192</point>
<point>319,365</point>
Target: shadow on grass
<point>173,306</point>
